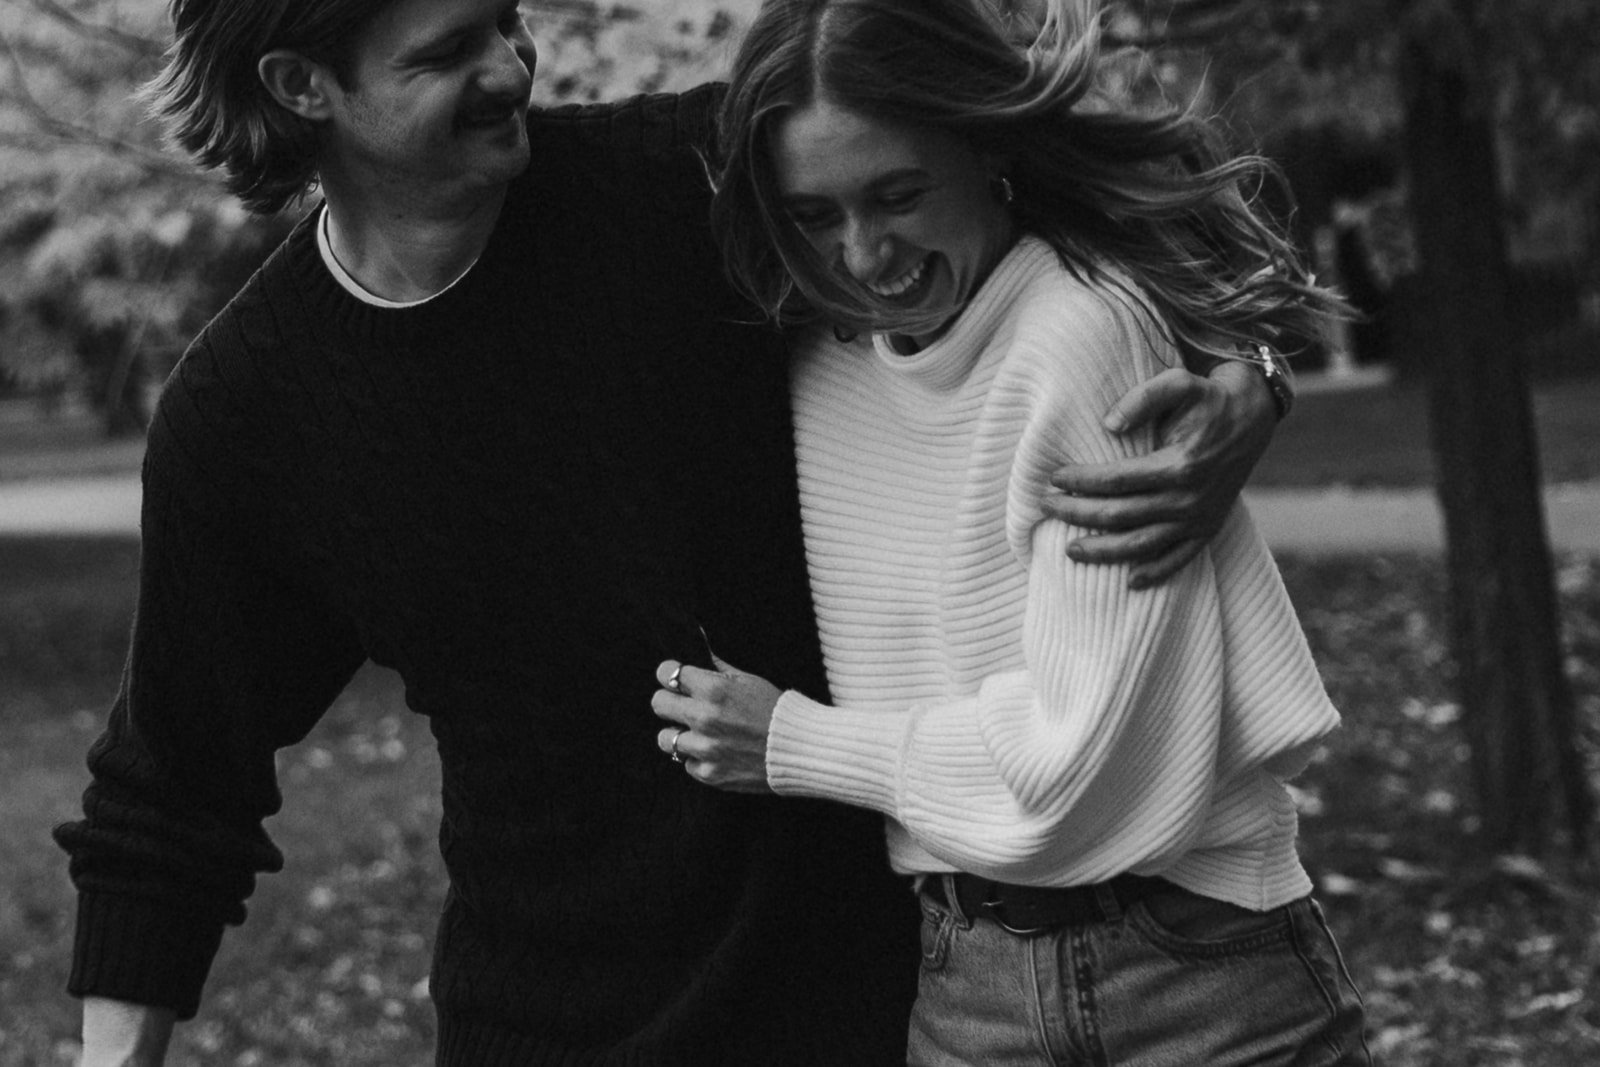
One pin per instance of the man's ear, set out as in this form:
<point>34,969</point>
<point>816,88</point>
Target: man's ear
<point>299,84</point>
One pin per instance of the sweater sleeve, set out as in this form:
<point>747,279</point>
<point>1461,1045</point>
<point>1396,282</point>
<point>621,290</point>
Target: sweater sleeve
<point>1099,755</point>
<point>229,661</point>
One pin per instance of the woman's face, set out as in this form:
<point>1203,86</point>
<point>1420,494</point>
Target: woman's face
<point>909,213</point>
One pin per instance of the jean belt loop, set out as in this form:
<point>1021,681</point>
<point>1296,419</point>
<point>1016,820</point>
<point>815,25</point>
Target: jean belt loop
<point>1110,907</point>
<point>953,899</point>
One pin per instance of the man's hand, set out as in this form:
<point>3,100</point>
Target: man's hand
<point>1157,511</point>
<point>119,1034</point>
<point>718,723</point>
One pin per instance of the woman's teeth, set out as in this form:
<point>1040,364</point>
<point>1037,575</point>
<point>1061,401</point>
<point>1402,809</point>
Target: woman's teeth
<point>903,284</point>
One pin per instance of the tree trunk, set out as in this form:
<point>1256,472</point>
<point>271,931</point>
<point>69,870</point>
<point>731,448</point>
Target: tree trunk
<point>1504,626</point>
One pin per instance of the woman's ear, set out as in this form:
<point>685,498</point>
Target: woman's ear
<point>1000,184</point>
<point>998,168</point>
<point>299,84</point>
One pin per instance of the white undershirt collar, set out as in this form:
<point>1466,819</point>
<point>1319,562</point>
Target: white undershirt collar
<point>355,288</point>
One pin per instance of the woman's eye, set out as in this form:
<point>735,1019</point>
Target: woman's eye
<point>905,201</point>
<point>810,221</point>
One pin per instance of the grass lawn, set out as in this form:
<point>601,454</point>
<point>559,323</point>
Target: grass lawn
<point>66,445</point>
<point>1465,959</point>
<point>331,967</point>
<point>1378,437</point>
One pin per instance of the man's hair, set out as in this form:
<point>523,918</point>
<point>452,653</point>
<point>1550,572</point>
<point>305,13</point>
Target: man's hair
<point>1155,195</point>
<point>215,106</point>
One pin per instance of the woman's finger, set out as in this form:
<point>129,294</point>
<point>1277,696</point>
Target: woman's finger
<point>679,743</point>
<point>670,706</point>
<point>670,675</point>
<point>687,680</point>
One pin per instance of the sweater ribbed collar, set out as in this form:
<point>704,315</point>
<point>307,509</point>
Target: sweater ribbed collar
<point>946,363</point>
<point>339,312</point>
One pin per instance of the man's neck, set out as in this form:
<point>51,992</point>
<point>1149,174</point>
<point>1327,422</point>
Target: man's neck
<point>401,252</point>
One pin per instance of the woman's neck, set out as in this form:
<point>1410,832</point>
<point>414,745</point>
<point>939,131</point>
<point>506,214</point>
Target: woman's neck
<point>907,344</point>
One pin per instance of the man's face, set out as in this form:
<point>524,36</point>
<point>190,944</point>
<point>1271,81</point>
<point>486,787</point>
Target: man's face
<point>436,98</point>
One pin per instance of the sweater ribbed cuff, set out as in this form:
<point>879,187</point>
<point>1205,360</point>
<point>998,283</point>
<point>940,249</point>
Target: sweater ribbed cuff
<point>853,757</point>
<point>142,951</point>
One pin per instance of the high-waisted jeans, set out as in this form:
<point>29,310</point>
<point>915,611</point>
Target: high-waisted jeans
<point>1178,980</point>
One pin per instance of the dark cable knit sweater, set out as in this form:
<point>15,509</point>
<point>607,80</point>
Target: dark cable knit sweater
<point>521,495</point>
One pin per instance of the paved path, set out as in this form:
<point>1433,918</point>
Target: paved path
<point>100,504</point>
<point>1303,522</point>
<point>1342,521</point>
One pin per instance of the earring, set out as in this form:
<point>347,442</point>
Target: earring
<point>1002,189</point>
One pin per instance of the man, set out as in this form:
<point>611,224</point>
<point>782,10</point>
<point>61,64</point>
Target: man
<point>463,423</point>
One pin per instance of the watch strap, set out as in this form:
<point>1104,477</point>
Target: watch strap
<point>1280,382</point>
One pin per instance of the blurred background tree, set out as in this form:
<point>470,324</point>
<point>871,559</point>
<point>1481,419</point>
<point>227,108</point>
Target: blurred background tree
<point>1482,118</point>
<point>114,251</point>
<point>1445,155</point>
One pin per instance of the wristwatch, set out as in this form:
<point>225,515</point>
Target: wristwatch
<point>1275,370</point>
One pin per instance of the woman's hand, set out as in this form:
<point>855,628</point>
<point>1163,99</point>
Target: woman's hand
<point>1159,510</point>
<point>719,723</point>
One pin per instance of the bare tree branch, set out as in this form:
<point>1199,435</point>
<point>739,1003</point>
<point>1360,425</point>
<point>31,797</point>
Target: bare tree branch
<point>145,47</point>
<point>151,161</point>
<point>50,128</point>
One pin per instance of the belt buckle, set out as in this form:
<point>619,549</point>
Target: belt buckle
<point>991,908</point>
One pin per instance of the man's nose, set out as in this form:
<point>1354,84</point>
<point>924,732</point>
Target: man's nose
<point>509,67</point>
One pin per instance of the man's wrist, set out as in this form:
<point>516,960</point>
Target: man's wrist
<point>116,1032</point>
<point>1274,371</point>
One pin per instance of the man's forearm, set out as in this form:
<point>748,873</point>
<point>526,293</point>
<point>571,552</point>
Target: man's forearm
<point>119,1034</point>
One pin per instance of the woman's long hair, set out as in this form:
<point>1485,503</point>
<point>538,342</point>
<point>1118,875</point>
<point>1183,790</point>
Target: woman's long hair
<point>1155,198</point>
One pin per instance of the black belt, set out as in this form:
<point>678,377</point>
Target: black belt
<point>1023,909</point>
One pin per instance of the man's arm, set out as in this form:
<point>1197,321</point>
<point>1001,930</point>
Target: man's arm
<point>119,1034</point>
<point>1157,511</point>
<point>232,657</point>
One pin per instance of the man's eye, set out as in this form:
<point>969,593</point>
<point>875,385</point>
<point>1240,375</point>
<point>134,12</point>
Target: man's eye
<point>444,56</point>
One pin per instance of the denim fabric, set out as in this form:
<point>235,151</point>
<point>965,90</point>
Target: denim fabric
<point>1179,980</point>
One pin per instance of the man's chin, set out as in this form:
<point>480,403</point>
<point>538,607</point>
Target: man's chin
<point>517,160</point>
<point>500,160</point>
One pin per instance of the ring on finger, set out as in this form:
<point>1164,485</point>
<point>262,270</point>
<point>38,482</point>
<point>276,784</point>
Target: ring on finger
<point>677,757</point>
<point>675,679</point>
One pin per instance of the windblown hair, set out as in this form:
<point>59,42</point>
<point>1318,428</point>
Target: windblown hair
<point>1156,198</point>
<point>214,104</point>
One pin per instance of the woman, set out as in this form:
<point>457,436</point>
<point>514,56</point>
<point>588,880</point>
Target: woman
<point>1085,781</point>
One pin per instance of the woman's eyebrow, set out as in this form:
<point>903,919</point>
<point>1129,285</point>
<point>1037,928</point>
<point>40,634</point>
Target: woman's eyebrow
<point>899,174</point>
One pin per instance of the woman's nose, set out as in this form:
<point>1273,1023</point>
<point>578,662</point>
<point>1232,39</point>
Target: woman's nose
<point>864,250</point>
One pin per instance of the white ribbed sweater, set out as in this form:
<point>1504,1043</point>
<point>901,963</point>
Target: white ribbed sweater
<point>1013,713</point>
